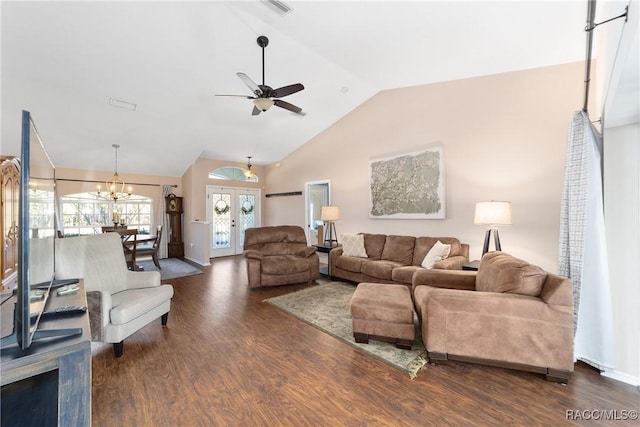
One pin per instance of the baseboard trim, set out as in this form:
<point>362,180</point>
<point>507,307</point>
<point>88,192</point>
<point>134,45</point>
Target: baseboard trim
<point>198,262</point>
<point>622,377</point>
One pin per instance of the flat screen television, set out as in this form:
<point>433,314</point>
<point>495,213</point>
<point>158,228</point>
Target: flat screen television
<point>36,241</point>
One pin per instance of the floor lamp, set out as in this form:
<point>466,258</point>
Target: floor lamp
<point>330,214</point>
<point>492,214</point>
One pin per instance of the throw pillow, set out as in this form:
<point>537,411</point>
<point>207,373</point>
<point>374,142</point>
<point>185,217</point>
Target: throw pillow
<point>438,252</point>
<point>353,245</point>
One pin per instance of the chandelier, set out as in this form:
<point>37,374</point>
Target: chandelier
<point>115,185</point>
<point>248,173</point>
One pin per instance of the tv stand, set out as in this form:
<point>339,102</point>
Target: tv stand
<point>53,364</point>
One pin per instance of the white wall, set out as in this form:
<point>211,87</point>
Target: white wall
<point>622,222</point>
<point>504,138</point>
<point>617,86</point>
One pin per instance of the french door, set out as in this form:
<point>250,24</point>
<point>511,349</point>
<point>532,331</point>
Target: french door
<point>231,211</point>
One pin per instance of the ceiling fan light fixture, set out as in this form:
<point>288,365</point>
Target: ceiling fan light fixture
<point>263,104</point>
<point>265,96</point>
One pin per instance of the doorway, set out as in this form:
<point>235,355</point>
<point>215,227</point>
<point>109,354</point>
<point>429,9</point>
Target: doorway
<point>317,195</point>
<point>231,211</point>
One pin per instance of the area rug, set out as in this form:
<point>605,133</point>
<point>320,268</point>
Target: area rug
<point>172,268</point>
<point>326,307</point>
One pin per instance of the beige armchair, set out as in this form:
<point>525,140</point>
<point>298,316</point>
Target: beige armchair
<point>120,301</point>
<point>279,255</point>
<point>510,314</point>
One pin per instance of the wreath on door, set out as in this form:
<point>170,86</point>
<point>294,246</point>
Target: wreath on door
<point>247,207</point>
<point>221,207</point>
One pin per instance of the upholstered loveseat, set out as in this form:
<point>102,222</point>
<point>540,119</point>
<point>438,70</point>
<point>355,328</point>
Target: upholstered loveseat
<point>509,313</point>
<point>394,259</point>
<point>279,255</point>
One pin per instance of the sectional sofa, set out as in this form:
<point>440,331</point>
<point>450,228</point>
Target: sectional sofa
<point>509,313</point>
<point>394,259</point>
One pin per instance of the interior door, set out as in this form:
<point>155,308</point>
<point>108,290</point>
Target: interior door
<point>231,211</point>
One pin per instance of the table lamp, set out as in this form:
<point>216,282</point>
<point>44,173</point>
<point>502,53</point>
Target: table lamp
<point>492,214</point>
<point>330,214</point>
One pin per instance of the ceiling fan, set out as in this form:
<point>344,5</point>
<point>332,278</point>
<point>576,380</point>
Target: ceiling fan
<point>264,96</point>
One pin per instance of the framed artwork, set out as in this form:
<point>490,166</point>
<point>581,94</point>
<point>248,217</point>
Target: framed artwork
<point>408,186</point>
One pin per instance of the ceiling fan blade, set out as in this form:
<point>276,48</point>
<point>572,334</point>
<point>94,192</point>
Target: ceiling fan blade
<point>255,111</point>
<point>238,96</point>
<point>287,106</point>
<point>287,90</point>
<point>250,83</point>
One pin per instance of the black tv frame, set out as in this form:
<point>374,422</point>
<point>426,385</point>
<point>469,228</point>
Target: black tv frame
<point>25,326</point>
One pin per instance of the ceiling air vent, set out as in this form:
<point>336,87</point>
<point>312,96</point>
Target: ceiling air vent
<point>277,6</point>
<point>122,104</point>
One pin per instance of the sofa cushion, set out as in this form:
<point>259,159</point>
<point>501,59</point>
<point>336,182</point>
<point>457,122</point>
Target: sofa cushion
<point>374,244</point>
<point>278,233</point>
<point>379,269</point>
<point>404,274</point>
<point>277,248</point>
<point>501,272</point>
<point>438,252</point>
<point>133,303</point>
<point>424,244</point>
<point>399,249</point>
<point>284,264</point>
<point>353,245</point>
<point>352,264</point>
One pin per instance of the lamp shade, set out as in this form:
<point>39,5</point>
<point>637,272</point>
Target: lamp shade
<point>493,213</point>
<point>330,213</point>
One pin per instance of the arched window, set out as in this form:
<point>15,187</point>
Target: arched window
<point>86,213</point>
<point>232,173</point>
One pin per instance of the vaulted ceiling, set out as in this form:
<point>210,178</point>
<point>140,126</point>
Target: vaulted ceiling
<point>64,61</point>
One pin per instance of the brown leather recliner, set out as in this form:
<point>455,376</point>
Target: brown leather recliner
<point>279,255</point>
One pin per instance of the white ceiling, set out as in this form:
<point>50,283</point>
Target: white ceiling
<point>63,61</point>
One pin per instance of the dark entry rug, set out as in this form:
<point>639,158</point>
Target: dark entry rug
<point>172,268</point>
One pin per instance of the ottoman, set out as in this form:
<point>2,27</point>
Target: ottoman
<point>383,312</point>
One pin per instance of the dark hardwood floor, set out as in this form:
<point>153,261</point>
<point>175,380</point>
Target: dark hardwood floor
<point>227,358</point>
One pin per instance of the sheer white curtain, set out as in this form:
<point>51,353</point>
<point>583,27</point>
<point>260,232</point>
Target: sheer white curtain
<point>582,248</point>
<point>163,252</point>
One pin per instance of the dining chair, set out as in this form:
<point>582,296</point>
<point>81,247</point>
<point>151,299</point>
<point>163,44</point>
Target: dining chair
<point>152,249</point>
<point>129,239</point>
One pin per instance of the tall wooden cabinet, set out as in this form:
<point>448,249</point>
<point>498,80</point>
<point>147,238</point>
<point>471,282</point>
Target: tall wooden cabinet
<point>10,201</point>
<point>174,211</point>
